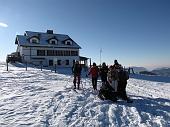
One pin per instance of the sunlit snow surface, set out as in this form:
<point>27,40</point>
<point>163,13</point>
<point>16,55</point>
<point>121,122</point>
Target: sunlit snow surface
<point>36,98</point>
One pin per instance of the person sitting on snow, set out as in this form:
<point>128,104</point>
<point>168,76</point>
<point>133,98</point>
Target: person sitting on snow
<point>106,92</point>
<point>108,89</point>
<point>116,85</point>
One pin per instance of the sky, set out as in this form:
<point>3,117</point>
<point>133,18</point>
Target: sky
<point>135,32</point>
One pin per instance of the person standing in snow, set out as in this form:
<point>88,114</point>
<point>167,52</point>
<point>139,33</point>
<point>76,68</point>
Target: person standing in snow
<point>113,77</point>
<point>76,69</point>
<point>113,74</point>
<point>103,73</point>
<point>122,83</point>
<point>116,65</point>
<point>94,71</point>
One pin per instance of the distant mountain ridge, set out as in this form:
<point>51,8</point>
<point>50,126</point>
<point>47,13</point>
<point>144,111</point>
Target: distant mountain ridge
<point>138,69</point>
<point>162,71</point>
<point>147,73</point>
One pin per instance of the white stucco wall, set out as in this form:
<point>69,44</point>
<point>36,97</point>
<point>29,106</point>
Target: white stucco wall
<point>30,55</point>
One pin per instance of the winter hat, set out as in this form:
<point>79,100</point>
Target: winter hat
<point>115,62</point>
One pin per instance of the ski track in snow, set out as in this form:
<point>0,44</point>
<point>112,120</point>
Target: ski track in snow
<point>37,98</point>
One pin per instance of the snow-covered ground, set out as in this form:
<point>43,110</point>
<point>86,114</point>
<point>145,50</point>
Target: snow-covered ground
<point>37,98</point>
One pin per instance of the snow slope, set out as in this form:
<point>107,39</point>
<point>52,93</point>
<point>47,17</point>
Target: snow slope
<point>37,98</point>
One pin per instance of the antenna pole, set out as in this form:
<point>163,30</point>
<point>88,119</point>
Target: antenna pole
<point>100,56</point>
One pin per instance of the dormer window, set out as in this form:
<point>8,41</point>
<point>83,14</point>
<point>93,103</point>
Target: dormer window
<point>68,42</point>
<point>53,41</point>
<point>34,40</point>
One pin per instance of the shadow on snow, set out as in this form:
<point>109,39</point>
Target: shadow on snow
<point>155,107</point>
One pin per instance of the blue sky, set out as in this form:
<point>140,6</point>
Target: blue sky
<point>135,32</point>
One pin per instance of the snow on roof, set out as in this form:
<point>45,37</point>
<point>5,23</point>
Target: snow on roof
<point>24,40</point>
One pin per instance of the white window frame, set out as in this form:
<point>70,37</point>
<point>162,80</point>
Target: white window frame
<point>51,40</point>
<point>68,41</point>
<point>34,38</point>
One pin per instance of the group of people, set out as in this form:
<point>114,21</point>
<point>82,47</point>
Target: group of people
<point>114,80</point>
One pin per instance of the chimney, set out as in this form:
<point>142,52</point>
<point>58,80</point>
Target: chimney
<point>49,31</point>
<point>39,35</point>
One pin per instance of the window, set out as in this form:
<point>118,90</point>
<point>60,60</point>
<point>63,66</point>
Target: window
<point>53,41</point>
<point>62,53</point>
<point>58,62</point>
<point>74,62</point>
<point>34,40</point>
<point>66,53</point>
<point>50,62</point>
<point>74,53</point>
<point>68,42</point>
<point>40,52</point>
<point>67,62</point>
<point>50,53</point>
<point>58,53</point>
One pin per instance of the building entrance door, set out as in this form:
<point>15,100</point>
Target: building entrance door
<point>50,63</point>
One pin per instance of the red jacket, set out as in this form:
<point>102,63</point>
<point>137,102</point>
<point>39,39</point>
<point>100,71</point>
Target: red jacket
<point>94,71</point>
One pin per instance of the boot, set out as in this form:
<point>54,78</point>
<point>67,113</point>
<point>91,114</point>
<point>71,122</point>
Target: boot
<point>74,86</point>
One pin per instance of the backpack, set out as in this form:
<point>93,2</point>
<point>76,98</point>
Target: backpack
<point>123,75</point>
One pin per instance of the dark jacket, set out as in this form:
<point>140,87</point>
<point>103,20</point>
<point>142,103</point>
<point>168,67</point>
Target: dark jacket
<point>117,66</point>
<point>123,77</point>
<point>107,92</point>
<point>103,73</point>
<point>76,69</point>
